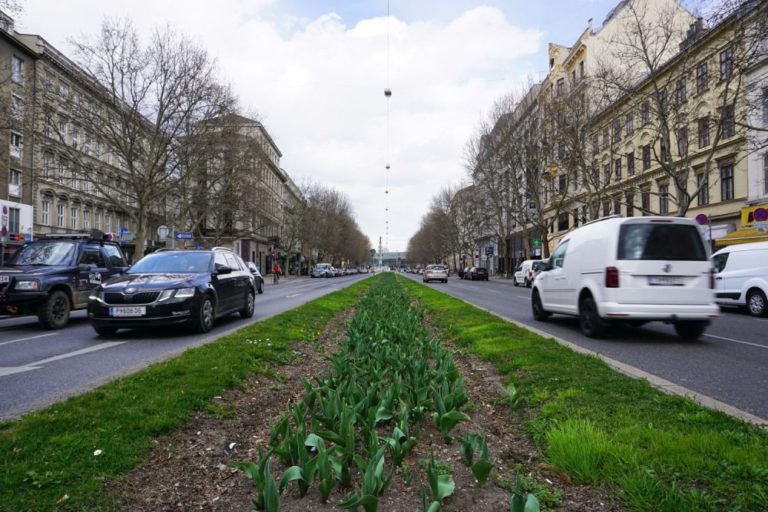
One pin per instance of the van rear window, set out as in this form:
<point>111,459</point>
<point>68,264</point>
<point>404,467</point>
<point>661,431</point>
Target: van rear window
<point>676,242</point>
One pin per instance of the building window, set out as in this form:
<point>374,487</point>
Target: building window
<point>607,173</point>
<point>617,205</point>
<point>645,200</point>
<point>663,199</point>
<point>17,107</point>
<point>702,78</point>
<point>560,86</point>
<point>765,105</point>
<point>562,184</point>
<point>73,217</point>
<point>581,69</point>
<point>630,124</point>
<point>631,163</point>
<point>606,138</point>
<point>765,173</point>
<point>616,130</point>
<point>726,63</point>
<point>108,223</point>
<point>630,205</point>
<point>682,141</point>
<point>62,129</point>
<point>75,135</point>
<point>45,212</point>
<point>680,92</point>
<point>646,157</point>
<point>645,113</point>
<point>14,183</point>
<point>73,181</point>
<point>726,182</point>
<point>14,217</point>
<point>573,76</point>
<point>702,184</point>
<point>595,144</point>
<point>17,142</point>
<point>86,219</point>
<point>97,220</point>
<point>596,177</point>
<point>663,149</point>
<point>704,132</point>
<point>47,166</point>
<point>617,168</point>
<point>17,70</point>
<point>562,222</point>
<point>63,171</point>
<point>606,207</point>
<point>60,215</point>
<point>728,122</point>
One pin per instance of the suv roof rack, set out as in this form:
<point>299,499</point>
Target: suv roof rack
<point>94,234</point>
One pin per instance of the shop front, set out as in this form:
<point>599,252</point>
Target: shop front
<point>754,227</point>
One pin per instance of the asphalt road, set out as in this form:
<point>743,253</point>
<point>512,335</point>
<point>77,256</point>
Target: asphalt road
<point>39,367</point>
<point>729,362</point>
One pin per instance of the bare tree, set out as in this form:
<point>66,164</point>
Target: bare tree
<point>152,100</point>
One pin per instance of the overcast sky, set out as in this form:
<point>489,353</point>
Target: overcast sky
<point>315,72</point>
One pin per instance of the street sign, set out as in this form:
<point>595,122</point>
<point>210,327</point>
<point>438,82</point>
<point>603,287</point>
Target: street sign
<point>488,249</point>
<point>536,243</point>
<point>183,235</point>
<point>198,245</point>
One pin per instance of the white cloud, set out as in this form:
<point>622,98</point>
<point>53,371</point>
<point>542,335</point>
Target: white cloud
<point>318,86</point>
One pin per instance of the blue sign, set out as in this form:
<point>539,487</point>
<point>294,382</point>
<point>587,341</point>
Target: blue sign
<point>488,249</point>
<point>198,245</point>
<point>183,235</point>
<point>123,230</point>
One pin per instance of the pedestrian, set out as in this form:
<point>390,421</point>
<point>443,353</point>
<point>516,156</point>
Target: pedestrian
<point>275,272</point>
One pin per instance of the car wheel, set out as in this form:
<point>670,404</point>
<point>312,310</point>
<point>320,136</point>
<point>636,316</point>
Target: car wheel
<point>486,278</point>
<point>247,311</point>
<point>261,287</point>
<point>538,308</point>
<point>516,282</point>
<point>105,331</point>
<point>690,329</point>
<point>202,322</point>
<point>527,283</point>
<point>756,303</point>
<point>591,324</point>
<point>54,312</point>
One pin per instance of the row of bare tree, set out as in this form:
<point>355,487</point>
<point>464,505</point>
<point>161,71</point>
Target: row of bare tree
<point>559,153</point>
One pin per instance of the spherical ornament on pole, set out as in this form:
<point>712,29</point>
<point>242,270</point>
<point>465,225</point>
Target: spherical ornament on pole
<point>387,92</point>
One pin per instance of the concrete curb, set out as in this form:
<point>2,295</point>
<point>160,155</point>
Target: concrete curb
<point>636,373</point>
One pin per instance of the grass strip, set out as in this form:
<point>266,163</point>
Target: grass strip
<point>663,452</point>
<point>59,458</point>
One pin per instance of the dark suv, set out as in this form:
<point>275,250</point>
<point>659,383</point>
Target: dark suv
<point>171,287</point>
<point>54,275</point>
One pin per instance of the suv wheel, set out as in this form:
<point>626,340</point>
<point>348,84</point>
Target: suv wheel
<point>202,322</point>
<point>54,312</point>
<point>105,331</point>
<point>690,329</point>
<point>260,289</point>
<point>527,283</point>
<point>538,308</point>
<point>591,324</point>
<point>756,303</point>
<point>247,311</point>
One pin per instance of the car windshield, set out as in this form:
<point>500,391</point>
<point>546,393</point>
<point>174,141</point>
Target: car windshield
<point>651,241</point>
<point>323,266</point>
<point>45,253</point>
<point>436,267</point>
<point>173,263</point>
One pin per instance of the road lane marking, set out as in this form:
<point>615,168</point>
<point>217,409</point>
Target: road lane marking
<point>736,341</point>
<point>292,295</point>
<point>9,370</point>
<point>29,338</point>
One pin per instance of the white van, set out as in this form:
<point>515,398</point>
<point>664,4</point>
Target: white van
<point>526,271</point>
<point>635,270</point>
<point>741,276</point>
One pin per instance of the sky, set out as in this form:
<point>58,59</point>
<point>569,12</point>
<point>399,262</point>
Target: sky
<point>314,72</point>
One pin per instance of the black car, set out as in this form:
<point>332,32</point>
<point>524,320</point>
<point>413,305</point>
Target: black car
<point>257,277</point>
<point>52,276</point>
<point>174,287</point>
<point>477,274</point>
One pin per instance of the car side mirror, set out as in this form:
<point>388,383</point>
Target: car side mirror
<point>223,270</point>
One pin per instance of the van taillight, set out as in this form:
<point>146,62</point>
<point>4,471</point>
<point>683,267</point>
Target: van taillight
<point>611,277</point>
<point>711,279</point>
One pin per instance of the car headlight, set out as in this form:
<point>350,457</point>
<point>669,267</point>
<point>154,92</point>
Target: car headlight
<point>185,293</point>
<point>27,285</point>
<point>165,295</point>
<point>97,296</point>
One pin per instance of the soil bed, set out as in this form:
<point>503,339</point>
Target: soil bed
<point>188,469</point>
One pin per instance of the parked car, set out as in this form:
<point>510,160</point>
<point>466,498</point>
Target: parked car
<point>323,270</point>
<point>435,273</point>
<point>527,271</point>
<point>634,270</point>
<point>741,277</point>
<point>174,287</point>
<point>258,279</point>
<point>465,273</point>
<point>478,274</point>
<point>52,276</point>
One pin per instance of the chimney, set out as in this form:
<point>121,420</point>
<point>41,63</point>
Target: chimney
<point>6,23</point>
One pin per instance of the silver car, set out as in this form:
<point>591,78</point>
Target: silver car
<point>435,273</point>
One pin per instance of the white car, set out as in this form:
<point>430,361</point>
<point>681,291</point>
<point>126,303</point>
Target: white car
<point>527,271</point>
<point>635,270</point>
<point>741,276</point>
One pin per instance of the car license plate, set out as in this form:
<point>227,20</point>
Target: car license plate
<point>128,311</point>
<point>4,279</point>
<point>665,281</point>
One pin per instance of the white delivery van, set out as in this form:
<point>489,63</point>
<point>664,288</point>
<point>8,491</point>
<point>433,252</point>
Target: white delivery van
<point>741,276</point>
<point>635,270</point>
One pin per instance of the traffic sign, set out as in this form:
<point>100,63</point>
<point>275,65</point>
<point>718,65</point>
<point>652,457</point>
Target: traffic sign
<point>183,235</point>
<point>537,243</point>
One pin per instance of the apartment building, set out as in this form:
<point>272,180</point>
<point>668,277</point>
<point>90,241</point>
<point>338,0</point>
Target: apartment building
<point>17,66</point>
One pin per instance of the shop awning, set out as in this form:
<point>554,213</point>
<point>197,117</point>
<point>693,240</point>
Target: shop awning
<point>742,236</point>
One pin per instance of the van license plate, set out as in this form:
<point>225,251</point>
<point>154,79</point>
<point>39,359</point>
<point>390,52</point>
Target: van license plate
<point>128,311</point>
<point>665,281</point>
<point>4,279</point>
